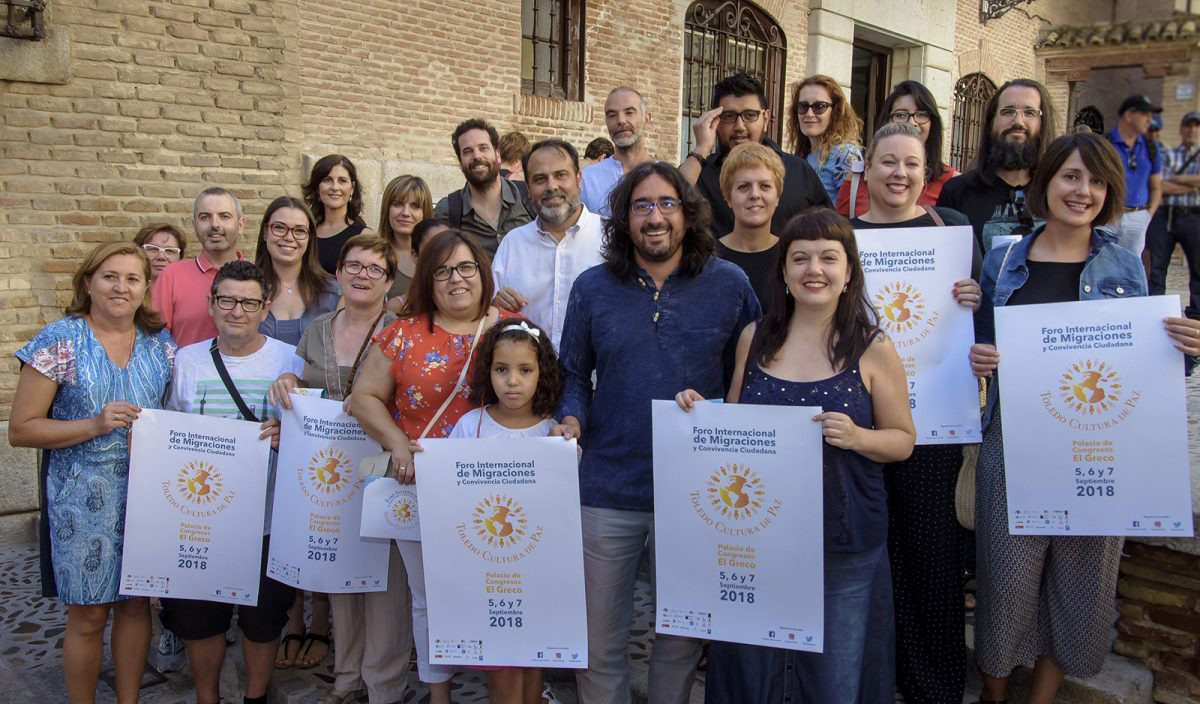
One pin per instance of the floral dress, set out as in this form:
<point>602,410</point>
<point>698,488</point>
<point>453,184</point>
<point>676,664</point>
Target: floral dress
<point>425,366</point>
<point>86,484</point>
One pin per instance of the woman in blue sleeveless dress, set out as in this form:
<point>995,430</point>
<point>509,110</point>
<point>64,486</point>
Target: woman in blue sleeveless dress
<point>84,379</point>
<point>819,345</point>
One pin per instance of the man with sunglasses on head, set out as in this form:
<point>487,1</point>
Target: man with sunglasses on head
<point>181,291</point>
<point>1142,161</point>
<point>739,114</point>
<point>237,305</point>
<point>1018,124</point>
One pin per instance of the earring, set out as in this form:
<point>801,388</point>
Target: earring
<point>846,288</point>
<point>787,290</point>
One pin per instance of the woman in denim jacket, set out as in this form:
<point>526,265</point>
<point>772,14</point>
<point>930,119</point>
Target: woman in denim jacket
<point>1044,598</point>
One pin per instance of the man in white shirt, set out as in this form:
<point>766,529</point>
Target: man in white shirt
<point>627,115</point>
<point>537,263</point>
<point>238,304</point>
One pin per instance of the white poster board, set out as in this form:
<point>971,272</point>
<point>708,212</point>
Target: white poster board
<point>315,542</point>
<point>738,524</point>
<point>389,510</point>
<point>197,499</point>
<point>910,276</point>
<point>503,552</point>
<point>1094,412</point>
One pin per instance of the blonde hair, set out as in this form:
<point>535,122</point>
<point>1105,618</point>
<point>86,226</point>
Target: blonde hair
<point>146,317</point>
<point>893,129</point>
<point>844,124</point>
<point>400,189</point>
<point>748,156</point>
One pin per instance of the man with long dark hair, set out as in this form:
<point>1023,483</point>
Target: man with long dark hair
<point>661,314</point>
<point>1018,123</point>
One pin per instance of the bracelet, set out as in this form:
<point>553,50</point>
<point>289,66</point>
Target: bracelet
<point>703,161</point>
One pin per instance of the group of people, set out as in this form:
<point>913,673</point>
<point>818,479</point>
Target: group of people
<point>561,304</point>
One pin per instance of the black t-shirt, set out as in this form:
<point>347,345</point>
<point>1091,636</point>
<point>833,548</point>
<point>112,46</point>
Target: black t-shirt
<point>993,207</point>
<point>761,268</point>
<point>1049,282</point>
<point>801,189</point>
<point>950,217</point>
<point>329,249</point>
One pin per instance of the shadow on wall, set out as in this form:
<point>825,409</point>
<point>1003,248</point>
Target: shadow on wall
<point>1107,87</point>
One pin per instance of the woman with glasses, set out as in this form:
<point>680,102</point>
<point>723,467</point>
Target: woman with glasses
<point>925,541</point>
<point>83,381</point>
<point>909,104</point>
<point>411,386</point>
<point>823,128</point>
<point>163,244</point>
<point>373,631</point>
<point>406,202</point>
<point>299,290</point>
<point>335,198</point>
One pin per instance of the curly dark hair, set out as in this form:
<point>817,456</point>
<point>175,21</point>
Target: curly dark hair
<point>312,189</point>
<point>550,382</point>
<point>698,242</point>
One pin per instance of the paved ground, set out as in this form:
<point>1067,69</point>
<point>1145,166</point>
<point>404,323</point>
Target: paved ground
<point>31,631</point>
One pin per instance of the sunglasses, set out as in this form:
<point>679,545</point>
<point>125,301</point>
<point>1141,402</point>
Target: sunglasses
<point>818,108</point>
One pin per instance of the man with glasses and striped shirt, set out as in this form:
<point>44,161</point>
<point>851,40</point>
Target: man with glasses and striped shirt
<point>1178,220</point>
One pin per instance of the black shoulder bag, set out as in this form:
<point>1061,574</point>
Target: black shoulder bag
<point>247,414</point>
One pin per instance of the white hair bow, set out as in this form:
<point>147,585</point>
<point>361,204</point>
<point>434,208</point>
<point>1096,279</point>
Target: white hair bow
<point>523,326</point>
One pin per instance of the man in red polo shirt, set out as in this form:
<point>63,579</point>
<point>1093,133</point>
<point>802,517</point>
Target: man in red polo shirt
<point>181,291</point>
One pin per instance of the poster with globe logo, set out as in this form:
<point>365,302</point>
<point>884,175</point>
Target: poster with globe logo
<point>315,541</point>
<point>197,488</point>
<point>910,275</point>
<point>503,552</point>
<point>1094,415</point>
<point>738,524</point>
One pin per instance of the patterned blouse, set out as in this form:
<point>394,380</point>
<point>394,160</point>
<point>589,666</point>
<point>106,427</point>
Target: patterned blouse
<point>425,366</point>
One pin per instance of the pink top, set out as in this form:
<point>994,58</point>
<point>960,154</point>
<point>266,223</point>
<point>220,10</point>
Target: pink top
<point>181,295</point>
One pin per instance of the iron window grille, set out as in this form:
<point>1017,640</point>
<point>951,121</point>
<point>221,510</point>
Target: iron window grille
<point>971,95</point>
<point>552,48</point>
<point>24,19</point>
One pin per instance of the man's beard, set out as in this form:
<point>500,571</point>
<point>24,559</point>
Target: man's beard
<point>627,141</point>
<point>1004,155</point>
<point>487,179</point>
<point>557,214</point>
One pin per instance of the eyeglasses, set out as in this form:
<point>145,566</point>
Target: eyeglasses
<point>731,116</point>
<point>154,250</point>
<point>666,206</point>
<point>250,305</point>
<point>1027,113</point>
<point>818,108</point>
<point>1133,162</point>
<point>373,271</point>
<point>464,269</point>
<point>920,117</point>
<point>279,230</point>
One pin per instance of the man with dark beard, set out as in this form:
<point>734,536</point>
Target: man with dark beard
<point>537,263</point>
<point>1018,124</point>
<point>488,207</point>
<point>661,314</point>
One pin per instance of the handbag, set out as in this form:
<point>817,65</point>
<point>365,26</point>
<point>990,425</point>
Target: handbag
<point>964,487</point>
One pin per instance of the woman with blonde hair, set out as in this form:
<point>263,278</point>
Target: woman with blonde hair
<point>83,381</point>
<point>407,201</point>
<point>823,128</point>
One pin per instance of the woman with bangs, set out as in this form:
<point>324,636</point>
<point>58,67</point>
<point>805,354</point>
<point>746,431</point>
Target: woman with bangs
<point>910,103</point>
<point>819,344</point>
<point>1049,599</point>
<point>823,128</point>
<point>406,202</point>
<point>752,181</point>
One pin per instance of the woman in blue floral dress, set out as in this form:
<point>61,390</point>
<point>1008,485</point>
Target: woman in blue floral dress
<point>84,379</point>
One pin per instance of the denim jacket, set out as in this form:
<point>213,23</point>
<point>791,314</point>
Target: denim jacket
<point>1111,271</point>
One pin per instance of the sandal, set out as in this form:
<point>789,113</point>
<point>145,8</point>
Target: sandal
<point>282,661</point>
<point>306,659</point>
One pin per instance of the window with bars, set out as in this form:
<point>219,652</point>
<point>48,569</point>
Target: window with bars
<point>552,48</point>
<point>971,95</point>
<point>721,38</point>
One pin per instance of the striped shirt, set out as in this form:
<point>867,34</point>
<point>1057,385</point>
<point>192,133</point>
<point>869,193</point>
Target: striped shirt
<point>1172,160</point>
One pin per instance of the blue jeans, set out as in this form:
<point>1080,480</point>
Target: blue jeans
<point>858,665</point>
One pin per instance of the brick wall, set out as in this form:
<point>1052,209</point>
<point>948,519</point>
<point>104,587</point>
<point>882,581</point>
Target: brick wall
<point>1160,618</point>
